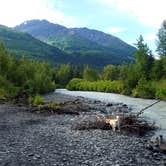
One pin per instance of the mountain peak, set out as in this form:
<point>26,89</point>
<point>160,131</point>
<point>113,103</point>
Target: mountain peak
<point>34,21</point>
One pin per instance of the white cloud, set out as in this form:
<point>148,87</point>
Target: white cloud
<point>150,37</point>
<point>148,12</point>
<point>17,11</point>
<point>115,29</point>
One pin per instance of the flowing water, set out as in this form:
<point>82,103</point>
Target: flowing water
<point>156,113</point>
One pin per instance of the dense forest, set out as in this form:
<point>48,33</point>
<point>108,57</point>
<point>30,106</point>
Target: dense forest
<point>146,78</point>
<point>22,75</point>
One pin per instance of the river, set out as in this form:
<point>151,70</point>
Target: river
<point>155,113</point>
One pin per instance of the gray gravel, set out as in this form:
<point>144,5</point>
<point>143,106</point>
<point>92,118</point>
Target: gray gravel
<point>32,139</point>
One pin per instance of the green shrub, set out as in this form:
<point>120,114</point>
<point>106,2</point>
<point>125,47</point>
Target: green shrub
<point>161,93</point>
<point>30,100</point>
<point>53,104</point>
<point>115,87</point>
<point>40,107</point>
<point>29,86</point>
<point>100,86</point>
<point>23,75</point>
<point>8,88</point>
<point>160,89</point>
<point>2,94</point>
<point>135,92</point>
<point>74,84</point>
<point>38,100</point>
<point>144,89</point>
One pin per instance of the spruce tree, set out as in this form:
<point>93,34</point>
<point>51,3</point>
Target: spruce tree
<point>161,42</point>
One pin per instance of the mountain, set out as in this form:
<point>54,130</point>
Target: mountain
<point>23,44</point>
<point>83,44</point>
<point>108,41</point>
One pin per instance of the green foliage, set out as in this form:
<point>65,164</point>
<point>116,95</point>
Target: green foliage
<point>38,100</point>
<point>161,43</point>
<point>24,75</point>
<point>19,44</point>
<point>72,85</point>
<point>40,107</point>
<point>90,74</point>
<point>30,100</point>
<point>157,70</point>
<point>80,45</point>
<point>161,93</point>
<point>144,89</point>
<point>3,50</point>
<point>7,87</point>
<point>2,94</point>
<point>123,72</point>
<point>146,78</point>
<point>160,89</point>
<point>130,80</point>
<point>53,105</point>
<point>100,86</point>
<point>110,72</point>
<point>163,59</point>
<point>62,74</point>
<point>144,59</point>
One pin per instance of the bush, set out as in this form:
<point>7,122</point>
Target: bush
<point>38,100</point>
<point>22,75</point>
<point>100,86</point>
<point>53,105</point>
<point>7,88</point>
<point>160,89</point>
<point>144,89</point>
<point>74,84</point>
<point>2,94</point>
<point>161,93</point>
<point>135,92</point>
<point>115,87</point>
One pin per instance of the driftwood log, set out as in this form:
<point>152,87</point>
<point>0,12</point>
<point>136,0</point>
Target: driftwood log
<point>142,111</point>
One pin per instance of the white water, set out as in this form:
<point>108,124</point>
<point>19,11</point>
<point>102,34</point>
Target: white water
<point>156,113</point>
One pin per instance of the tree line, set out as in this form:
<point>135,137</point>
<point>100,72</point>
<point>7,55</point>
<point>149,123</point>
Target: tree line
<point>22,75</point>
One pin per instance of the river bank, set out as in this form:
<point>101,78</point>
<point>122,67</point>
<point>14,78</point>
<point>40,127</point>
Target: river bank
<point>157,113</point>
<point>32,138</point>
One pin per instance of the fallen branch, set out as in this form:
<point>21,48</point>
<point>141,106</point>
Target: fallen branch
<point>142,111</point>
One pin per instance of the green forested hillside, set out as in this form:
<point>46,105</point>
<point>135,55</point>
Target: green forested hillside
<point>88,46</point>
<point>74,49</point>
<point>22,44</point>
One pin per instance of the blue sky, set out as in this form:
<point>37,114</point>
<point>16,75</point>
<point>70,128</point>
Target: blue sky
<point>126,19</point>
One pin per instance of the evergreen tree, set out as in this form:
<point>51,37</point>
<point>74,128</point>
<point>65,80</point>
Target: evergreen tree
<point>3,50</point>
<point>157,70</point>
<point>62,74</point>
<point>90,74</point>
<point>161,43</point>
<point>110,72</point>
<point>144,58</point>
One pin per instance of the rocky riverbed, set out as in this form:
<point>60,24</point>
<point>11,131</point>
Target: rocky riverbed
<point>33,138</point>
